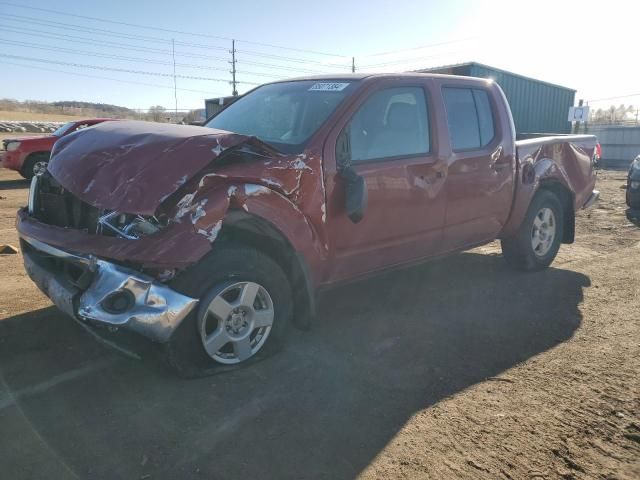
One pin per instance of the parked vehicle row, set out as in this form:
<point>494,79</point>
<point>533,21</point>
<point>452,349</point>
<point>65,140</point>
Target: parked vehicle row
<point>211,240</point>
<point>30,155</point>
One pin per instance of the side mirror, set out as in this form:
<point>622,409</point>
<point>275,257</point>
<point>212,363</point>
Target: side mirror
<point>356,196</point>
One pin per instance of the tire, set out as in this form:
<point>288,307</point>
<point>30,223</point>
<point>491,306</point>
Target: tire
<point>223,271</point>
<point>519,251</point>
<point>33,165</point>
<point>635,203</point>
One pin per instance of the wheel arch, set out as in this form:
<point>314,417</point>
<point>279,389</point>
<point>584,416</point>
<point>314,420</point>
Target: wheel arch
<point>40,152</point>
<point>32,155</point>
<point>566,198</point>
<point>257,232</point>
<point>543,174</point>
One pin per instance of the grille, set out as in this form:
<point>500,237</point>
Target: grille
<point>56,206</point>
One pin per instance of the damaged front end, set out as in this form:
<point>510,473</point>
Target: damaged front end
<point>87,287</point>
<point>125,206</point>
<point>106,293</point>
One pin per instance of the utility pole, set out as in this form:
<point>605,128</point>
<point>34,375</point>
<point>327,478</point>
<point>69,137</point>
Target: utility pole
<point>353,64</point>
<point>175,87</point>
<point>233,68</point>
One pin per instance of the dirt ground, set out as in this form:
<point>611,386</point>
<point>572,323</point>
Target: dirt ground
<point>460,368</point>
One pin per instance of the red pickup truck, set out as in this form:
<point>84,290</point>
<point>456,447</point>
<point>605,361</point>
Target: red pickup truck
<point>30,155</point>
<point>210,240</point>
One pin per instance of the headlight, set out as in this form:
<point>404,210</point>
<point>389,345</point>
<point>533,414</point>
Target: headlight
<point>634,185</point>
<point>131,227</point>
<point>635,165</point>
<point>11,146</point>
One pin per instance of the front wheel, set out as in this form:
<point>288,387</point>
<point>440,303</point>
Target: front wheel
<point>243,314</point>
<point>35,165</point>
<point>537,241</point>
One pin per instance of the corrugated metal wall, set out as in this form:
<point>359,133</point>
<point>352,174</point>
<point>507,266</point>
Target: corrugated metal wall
<point>620,145</point>
<point>536,106</point>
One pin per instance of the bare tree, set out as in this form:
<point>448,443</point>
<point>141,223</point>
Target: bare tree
<point>613,114</point>
<point>157,113</point>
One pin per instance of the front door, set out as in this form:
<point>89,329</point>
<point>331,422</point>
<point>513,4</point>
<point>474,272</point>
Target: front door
<point>387,137</point>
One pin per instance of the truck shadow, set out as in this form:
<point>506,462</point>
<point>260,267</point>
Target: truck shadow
<point>380,351</point>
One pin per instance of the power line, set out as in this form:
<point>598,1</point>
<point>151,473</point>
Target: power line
<point>102,43</point>
<point>291,59</point>
<point>406,60</point>
<point>167,30</point>
<point>127,46</point>
<point>108,78</point>
<point>113,69</point>
<point>100,31</point>
<point>418,48</point>
<point>281,67</point>
<point>107,55</point>
<point>614,98</point>
<point>79,28</point>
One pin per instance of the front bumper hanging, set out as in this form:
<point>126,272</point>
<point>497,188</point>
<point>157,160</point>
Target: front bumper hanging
<point>115,296</point>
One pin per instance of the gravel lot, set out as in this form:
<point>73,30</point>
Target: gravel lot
<point>456,369</point>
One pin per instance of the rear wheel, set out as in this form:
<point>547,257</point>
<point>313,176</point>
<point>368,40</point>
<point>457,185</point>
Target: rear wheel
<point>633,198</point>
<point>243,314</point>
<point>538,239</point>
<point>35,165</point>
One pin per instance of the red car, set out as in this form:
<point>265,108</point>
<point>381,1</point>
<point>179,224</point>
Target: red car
<point>210,241</point>
<point>30,155</point>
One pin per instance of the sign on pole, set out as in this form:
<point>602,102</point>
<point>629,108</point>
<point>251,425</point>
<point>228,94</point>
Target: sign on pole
<point>579,114</point>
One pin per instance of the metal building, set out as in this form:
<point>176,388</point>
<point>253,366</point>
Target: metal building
<point>537,106</point>
<point>214,105</point>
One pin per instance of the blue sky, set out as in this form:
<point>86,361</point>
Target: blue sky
<point>47,56</point>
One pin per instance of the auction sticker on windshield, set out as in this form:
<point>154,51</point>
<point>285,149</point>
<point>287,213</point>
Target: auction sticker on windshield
<point>328,87</point>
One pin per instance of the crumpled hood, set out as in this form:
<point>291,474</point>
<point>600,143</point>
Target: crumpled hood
<point>132,166</point>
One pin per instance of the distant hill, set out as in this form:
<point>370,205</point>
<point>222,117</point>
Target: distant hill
<point>75,108</point>
<point>61,111</point>
<point>106,109</point>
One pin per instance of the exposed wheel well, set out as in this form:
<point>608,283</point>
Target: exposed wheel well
<point>258,233</point>
<point>35,154</point>
<point>566,198</point>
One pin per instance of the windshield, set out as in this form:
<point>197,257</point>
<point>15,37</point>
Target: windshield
<point>284,115</point>
<point>63,129</point>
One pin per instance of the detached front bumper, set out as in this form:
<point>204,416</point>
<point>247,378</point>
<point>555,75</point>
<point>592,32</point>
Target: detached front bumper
<point>100,292</point>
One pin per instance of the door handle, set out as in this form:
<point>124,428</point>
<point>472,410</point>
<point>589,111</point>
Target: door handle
<point>428,178</point>
<point>496,164</point>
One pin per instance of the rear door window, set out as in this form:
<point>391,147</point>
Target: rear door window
<point>469,117</point>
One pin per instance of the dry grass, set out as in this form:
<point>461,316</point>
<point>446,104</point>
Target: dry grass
<point>38,117</point>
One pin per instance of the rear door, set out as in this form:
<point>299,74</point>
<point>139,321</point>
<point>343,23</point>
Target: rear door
<point>481,166</point>
<point>392,144</point>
